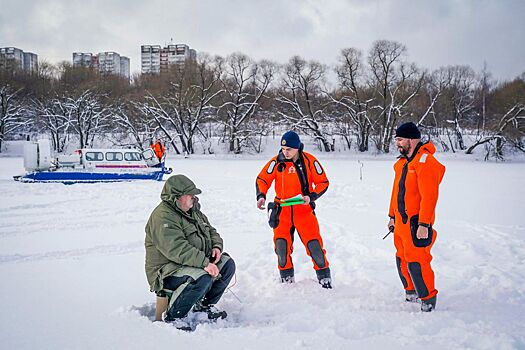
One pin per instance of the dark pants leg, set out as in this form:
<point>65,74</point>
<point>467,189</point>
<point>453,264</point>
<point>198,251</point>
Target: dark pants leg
<point>219,286</point>
<point>189,296</point>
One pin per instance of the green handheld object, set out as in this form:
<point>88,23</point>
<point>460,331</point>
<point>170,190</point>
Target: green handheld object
<point>290,203</point>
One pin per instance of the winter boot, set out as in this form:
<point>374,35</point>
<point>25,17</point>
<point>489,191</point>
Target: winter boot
<point>287,276</point>
<point>180,323</point>
<point>288,279</point>
<point>326,283</point>
<point>411,296</point>
<point>212,312</point>
<point>324,277</point>
<point>428,305</point>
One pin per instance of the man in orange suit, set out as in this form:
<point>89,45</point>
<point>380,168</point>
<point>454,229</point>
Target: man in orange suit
<point>296,174</point>
<point>412,214</point>
<point>159,149</point>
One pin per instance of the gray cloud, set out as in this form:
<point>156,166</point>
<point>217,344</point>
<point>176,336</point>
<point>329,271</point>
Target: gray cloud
<point>436,33</point>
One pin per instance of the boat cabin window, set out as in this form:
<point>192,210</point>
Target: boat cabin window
<point>132,156</point>
<point>94,156</point>
<point>113,156</point>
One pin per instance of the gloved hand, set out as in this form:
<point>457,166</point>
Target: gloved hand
<point>260,203</point>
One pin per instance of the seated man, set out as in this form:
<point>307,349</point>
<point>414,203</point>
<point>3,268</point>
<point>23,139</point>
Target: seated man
<point>184,256</point>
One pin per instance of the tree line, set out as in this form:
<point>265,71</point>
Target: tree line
<point>239,101</point>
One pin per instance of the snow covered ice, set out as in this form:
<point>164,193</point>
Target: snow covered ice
<point>72,263</point>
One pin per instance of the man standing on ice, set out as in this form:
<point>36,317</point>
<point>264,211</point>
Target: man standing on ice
<point>159,149</point>
<point>299,181</point>
<point>184,254</point>
<point>412,213</point>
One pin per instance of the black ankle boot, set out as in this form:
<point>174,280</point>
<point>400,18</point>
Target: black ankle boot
<point>287,276</point>
<point>212,311</point>
<point>428,305</point>
<point>324,277</point>
<point>411,296</point>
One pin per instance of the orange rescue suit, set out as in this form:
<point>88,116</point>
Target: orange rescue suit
<point>159,150</point>
<point>306,176</point>
<point>413,203</point>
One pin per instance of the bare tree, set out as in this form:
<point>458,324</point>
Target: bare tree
<point>396,83</point>
<point>46,75</point>
<point>88,114</point>
<point>244,84</point>
<point>434,85</point>
<point>508,127</point>
<point>12,112</point>
<point>51,115</point>
<point>204,89</point>
<point>180,112</point>
<point>460,96</point>
<point>136,125</point>
<point>162,116</point>
<point>352,98</point>
<point>514,118</point>
<point>300,96</point>
<point>485,85</point>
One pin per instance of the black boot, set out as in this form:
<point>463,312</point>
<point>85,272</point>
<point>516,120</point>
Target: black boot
<point>287,276</point>
<point>182,324</point>
<point>324,277</point>
<point>212,311</point>
<point>428,305</point>
<point>411,296</point>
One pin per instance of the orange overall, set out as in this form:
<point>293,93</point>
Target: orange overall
<point>413,202</point>
<point>159,149</point>
<point>306,176</point>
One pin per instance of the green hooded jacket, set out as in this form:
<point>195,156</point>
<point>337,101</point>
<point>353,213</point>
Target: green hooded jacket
<point>177,239</point>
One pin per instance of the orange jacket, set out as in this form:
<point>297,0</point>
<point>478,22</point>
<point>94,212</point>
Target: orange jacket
<point>306,177</point>
<point>159,149</point>
<point>416,185</point>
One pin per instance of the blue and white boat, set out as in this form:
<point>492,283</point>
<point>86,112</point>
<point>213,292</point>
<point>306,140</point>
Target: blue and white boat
<point>89,165</point>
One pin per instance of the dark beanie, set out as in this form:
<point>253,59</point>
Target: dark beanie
<point>408,131</point>
<point>291,139</point>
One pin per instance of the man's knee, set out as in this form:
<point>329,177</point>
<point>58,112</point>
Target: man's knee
<point>228,269</point>
<point>281,249</point>
<point>203,281</point>
<point>317,253</point>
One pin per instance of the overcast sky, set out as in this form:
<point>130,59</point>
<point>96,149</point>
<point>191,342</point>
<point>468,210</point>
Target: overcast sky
<point>436,32</point>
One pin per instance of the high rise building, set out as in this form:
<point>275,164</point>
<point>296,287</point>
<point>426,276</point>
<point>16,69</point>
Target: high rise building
<point>109,63</point>
<point>124,66</point>
<point>84,59</point>
<point>155,60</point>
<point>150,59</point>
<point>104,62</point>
<point>30,62</point>
<point>12,58</point>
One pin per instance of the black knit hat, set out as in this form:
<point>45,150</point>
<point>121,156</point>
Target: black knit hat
<point>408,131</point>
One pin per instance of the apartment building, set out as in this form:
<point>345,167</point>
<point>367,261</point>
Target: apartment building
<point>85,59</point>
<point>156,59</point>
<point>12,58</point>
<point>105,62</point>
<point>124,66</point>
<point>150,59</point>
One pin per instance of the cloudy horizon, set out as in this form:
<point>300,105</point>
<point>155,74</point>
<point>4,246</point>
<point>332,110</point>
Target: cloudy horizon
<point>439,33</point>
